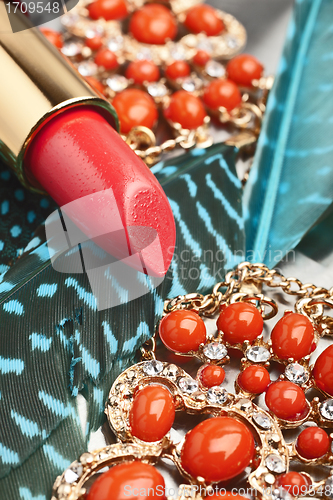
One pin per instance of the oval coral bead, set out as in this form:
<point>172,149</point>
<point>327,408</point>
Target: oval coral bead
<point>217,449</point>
<point>153,23</point>
<point>286,400</point>
<point>222,93</point>
<point>293,482</point>
<point>135,107</point>
<point>152,413</point>
<point>240,321</point>
<point>177,69</point>
<point>292,336</point>
<point>212,375</point>
<point>143,71</point>
<point>182,331</point>
<point>186,109</point>
<point>243,69</point>
<point>131,480</point>
<point>313,442</point>
<point>323,371</point>
<point>254,379</point>
<point>204,18</point>
<point>107,9</point>
<point>107,59</point>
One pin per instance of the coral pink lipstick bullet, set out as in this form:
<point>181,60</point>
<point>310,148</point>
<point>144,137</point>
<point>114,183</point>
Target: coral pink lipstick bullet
<point>59,137</point>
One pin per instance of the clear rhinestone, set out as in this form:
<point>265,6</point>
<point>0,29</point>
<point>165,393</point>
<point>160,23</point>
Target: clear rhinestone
<point>215,350</point>
<point>115,43</point>
<point>71,49</point>
<point>231,41</point>
<point>217,394</point>
<point>73,473</point>
<point>329,487</point>
<point>87,68</point>
<point>157,89</point>
<point>92,31</point>
<point>177,52</point>
<point>326,409</point>
<point>215,69</point>
<point>296,373</point>
<point>117,83</point>
<point>258,354</point>
<point>171,371</point>
<point>262,420</point>
<point>152,367</point>
<point>144,53</point>
<point>188,385</point>
<point>205,45</point>
<point>275,463</point>
<point>190,84</point>
<point>281,494</point>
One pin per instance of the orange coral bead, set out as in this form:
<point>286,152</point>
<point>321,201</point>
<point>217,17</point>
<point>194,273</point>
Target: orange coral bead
<point>240,321</point>
<point>292,336</point>
<point>286,400</point>
<point>135,107</point>
<point>323,371</point>
<point>177,69</point>
<point>313,442</point>
<point>143,71</point>
<point>294,482</point>
<point>131,480</point>
<point>186,109</point>
<point>201,58</point>
<point>212,375</point>
<point>154,23</point>
<point>108,9</point>
<point>53,36</point>
<point>182,331</point>
<point>96,84</point>
<point>217,449</point>
<point>243,69</point>
<point>222,93</point>
<point>94,43</point>
<point>107,59</point>
<point>152,413</point>
<point>254,379</point>
<point>204,18</point>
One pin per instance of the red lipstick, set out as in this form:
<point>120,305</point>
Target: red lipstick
<point>58,135</point>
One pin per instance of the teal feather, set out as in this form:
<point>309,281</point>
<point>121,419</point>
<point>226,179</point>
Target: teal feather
<point>291,181</point>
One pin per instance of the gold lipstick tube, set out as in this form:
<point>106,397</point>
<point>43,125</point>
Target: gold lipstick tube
<point>36,83</point>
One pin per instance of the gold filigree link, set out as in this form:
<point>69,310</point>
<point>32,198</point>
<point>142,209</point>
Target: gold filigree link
<point>259,300</point>
<point>147,350</point>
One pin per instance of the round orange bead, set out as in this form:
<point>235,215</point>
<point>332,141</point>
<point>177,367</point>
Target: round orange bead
<point>243,69</point>
<point>94,43</point>
<point>323,371</point>
<point>131,480</point>
<point>222,93</point>
<point>294,482</point>
<point>108,9</point>
<point>286,400</point>
<point>186,109</point>
<point>217,449</point>
<point>313,442</point>
<point>143,71</point>
<point>135,107</point>
<point>154,23</point>
<point>96,84</point>
<point>152,413</point>
<point>182,331</point>
<point>178,69</point>
<point>53,36</point>
<point>201,58</point>
<point>107,59</point>
<point>212,375</point>
<point>240,321</point>
<point>292,336</point>
<point>254,379</point>
<point>204,18</point>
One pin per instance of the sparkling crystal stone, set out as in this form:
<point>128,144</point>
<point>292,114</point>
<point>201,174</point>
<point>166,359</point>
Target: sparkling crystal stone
<point>115,43</point>
<point>93,31</point>
<point>177,52</point>
<point>117,83</point>
<point>71,49</point>
<point>152,367</point>
<point>326,409</point>
<point>329,487</point>
<point>217,394</point>
<point>262,420</point>
<point>205,45</point>
<point>144,53</point>
<point>215,69</point>
<point>296,373</point>
<point>190,85</point>
<point>188,385</point>
<point>215,350</point>
<point>157,89</point>
<point>171,371</point>
<point>281,494</point>
<point>87,68</point>
<point>258,354</point>
<point>231,41</point>
<point>275,463</point>
<point>73,473</point>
